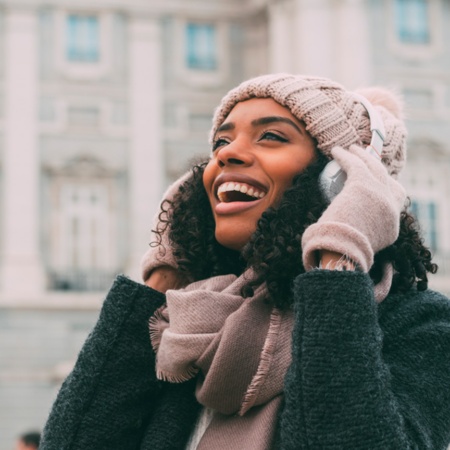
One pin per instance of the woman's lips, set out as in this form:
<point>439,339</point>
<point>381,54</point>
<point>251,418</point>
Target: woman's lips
<point>226,183</point>
<point>223,208</point>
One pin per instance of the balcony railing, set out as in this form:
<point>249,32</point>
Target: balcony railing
<point>100,280</point>
<point>81,280</point>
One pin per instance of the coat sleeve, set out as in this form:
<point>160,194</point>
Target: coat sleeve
<point>366,377</point>
<point>108,398</point>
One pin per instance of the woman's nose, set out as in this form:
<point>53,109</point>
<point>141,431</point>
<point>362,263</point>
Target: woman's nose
<point>235,153</point>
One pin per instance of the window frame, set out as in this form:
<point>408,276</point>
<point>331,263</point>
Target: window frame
<point>89,249</point>
<point>405,33</point>
<point>429,222</point>
<point>415,51</point>
<point>197,31</point>
<point>92,273</point>
<point>82,69</point>
<point>77,23</point>
<point>196,77</point>
<point>426,180</point>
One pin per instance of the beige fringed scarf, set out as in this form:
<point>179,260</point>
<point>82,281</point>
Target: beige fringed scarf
<point>242,350</point>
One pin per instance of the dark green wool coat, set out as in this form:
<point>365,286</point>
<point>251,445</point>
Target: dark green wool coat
<point>363,376</point>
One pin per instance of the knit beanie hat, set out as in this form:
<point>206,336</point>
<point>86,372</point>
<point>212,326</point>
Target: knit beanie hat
<point>331,114</point>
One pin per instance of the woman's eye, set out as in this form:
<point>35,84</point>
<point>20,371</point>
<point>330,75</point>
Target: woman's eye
<point>219,143</point>
<point>271,136</point>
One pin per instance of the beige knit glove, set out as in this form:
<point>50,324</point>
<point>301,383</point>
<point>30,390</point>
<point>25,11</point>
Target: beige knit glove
<point>161,255</point>
<point>364,217</point>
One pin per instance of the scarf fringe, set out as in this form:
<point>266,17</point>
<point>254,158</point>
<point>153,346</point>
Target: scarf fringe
<point>180,377</point>
<point>155,328</point>
<point>264,364</point>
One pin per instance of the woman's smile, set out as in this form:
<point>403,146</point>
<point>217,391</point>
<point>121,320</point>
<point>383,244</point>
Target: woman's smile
<point>236,192</point>
<point>257,151</point>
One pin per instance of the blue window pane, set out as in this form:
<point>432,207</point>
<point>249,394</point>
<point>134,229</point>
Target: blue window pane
<point>201,46</point>
<point>426,213</point>
<point>83,38</point>
<point>412,21</point>
<point>432,234</point>
<point>415,209</point>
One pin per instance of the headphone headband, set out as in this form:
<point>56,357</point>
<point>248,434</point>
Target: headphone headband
<point>376,126</point>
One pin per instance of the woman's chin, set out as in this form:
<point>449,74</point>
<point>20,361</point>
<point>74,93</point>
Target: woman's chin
<point>233,241</point>
<point>235,231</point>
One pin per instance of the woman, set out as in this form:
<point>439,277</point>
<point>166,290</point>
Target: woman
<point>277,320</point>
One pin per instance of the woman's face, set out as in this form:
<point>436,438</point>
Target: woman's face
<point>257,151</point>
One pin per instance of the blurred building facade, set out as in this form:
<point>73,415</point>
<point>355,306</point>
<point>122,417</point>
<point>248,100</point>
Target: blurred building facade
<point>103,103</point>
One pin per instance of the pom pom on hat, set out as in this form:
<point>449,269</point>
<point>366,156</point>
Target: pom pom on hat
<point>389,105</point>
<point>332,115</point>
<point>389,99</point>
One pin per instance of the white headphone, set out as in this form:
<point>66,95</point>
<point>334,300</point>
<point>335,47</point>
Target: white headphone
<point>332,178</point>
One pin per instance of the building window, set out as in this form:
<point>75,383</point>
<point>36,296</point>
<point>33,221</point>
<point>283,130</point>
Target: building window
<point>426,213</point>
<point>84,256</point>
<point>412,21</point>
<point>201,46</point>
<point>83,38</point>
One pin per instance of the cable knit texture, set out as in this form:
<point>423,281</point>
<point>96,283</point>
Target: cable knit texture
<point>332,115</point>
<point>364,218</point>
<point>363,376</point>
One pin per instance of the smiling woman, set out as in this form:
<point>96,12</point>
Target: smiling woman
<point>277,320</point>
<point>258,149</point>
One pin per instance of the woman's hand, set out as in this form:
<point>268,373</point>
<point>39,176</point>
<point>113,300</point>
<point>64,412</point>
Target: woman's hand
<point>363,219</point>
<point>163,278</point>
<point>335,261</point>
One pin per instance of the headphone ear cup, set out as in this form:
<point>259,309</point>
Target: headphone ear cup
<point>331,180</point>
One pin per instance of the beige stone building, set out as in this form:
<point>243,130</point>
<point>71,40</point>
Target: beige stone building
<point>103,103</point>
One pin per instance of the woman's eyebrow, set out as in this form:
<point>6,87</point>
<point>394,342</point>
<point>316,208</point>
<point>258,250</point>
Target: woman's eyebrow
<point>226,127</point>
<point>272,119</point>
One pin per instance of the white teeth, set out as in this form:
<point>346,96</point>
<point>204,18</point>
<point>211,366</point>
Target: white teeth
<point>238,187</point>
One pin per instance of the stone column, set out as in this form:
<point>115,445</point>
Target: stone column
<point>314,37</point>
<point>281,38</point>
<point>21,266</point>
<point>146,164</point>
<point>354,67</point>
<point>332,40</point>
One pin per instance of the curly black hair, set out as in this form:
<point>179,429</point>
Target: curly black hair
<point>274,250</point>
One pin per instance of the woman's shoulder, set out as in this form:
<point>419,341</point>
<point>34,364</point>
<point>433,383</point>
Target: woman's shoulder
<point>125,293</point>
<point>414,311</point>
<point>415,300</point>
